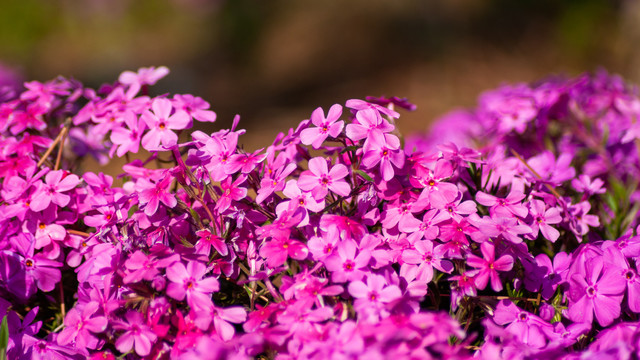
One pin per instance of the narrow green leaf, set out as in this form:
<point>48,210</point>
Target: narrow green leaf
<point>4,338</point>
<point>186,243</point>
<point>364,175</point>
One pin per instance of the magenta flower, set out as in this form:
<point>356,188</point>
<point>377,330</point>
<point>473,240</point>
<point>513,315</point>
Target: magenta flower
<point>584,185</point>
<point>52,190</point>
<point>231,191</point>
<point>137,334</point>
<point>325,127</point>
<point>79,326</point>
<point>507,228</point>
<point>128,140</point>
<point>360,105</point>
<point>161,123</point>
<point>526,327</point>
<point>345,265</point>
<point>373,297</point>
<point>144,76</point>
<point>426,258</point>
<point>384,150</point>
<point>195,107</point>
<point>188,281</point>
<point>221,318</point>
<point>600,290</point>
<point>26,271</point>
<point>507,207</point>
<point>368,123</point>
<point>542,217</point>
<point>244,162</point>
<point>275,176</point>
<point>488,266</point>
<point>319,179</point>
<point>455,208</point>
<point>276,250</point>
<point>208,240</point>
<point>151,194</point>
<point>300,201</point>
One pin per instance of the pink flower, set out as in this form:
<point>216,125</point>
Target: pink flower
<point>137,334</point>
<point>144,76</point>
<point>372,297</point>
<point>207,240</point>
<point>128,140</point>
<point>426,258</point>
<point>383,149</point>
<point>542,217</point>
<point>188,281</point>
<point>151,194</point>
<point>161,122</point>
<point>52,190</point>
<point>344,265</point>
<point>324,126</point>
<point>276,250</point>
<point>231,191</point>
<point>600,290</point>
<point>79,326</point>
<point>319,179</point>
<point>195,106</point>
<point>489,266</point>
<point>507,207</point>
<point>221,318</point>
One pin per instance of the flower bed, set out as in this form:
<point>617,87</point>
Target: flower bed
<point>509,231</point>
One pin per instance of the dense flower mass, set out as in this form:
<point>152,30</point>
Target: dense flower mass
<point>508,232</point>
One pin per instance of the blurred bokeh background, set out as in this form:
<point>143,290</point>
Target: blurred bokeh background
<point>275,61</point>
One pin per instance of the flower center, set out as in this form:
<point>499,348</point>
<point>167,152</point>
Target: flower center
<point>348,266</point>
<point>591,291</point>
<point>630,275</point>
<point>28,263</point>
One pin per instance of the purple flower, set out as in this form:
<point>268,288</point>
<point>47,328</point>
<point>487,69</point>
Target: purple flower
<point>526,327</point>
<point>194,106</point>
<point>372,298</point>
<point>325,127</point>
<point>384,150</point>
<point>542,217</point>
<point>24,270</point>
<point>600,290</point>
<point>488,266</point>
<point>509,206</point>
<point>52,190</point>
<point>345,265</point>
<point>79,326</point>
<point>188,281</point>
<point>144,76</point>
<point>151,194</point>
<point>128,140</point>
<point>221,318</point>
<point>137,334</point>
<point>427,258</point>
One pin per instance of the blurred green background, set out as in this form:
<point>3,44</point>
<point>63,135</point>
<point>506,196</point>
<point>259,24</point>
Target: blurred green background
<point>273,62</point>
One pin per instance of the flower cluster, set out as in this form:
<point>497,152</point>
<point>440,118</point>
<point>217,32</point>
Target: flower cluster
<point>511,233</point>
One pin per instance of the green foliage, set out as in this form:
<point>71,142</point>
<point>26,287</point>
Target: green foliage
<point>4,338</point>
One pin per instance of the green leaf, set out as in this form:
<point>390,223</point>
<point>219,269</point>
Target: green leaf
<point>186,243</point>
<point>364,175</point>
<point>348,148</point>
<point>4,338</point>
